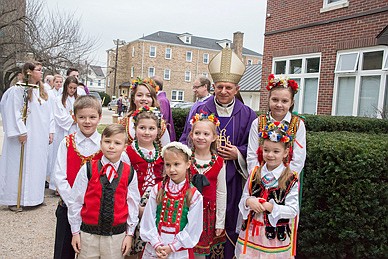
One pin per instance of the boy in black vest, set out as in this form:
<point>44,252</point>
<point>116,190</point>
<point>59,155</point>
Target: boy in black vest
<point>103,210</point>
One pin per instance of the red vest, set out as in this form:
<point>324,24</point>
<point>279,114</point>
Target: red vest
<point>105,203</point>
<point>75,160</point>
<point>209,192</point>
<point>141,166</point>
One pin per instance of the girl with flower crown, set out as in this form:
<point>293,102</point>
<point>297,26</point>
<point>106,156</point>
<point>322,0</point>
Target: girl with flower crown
<point>281,103</point>
<point>208,171</point>
<point>144,154</point>
<point>172,222</point>
<point>270,200</point>
<point>142,94</point>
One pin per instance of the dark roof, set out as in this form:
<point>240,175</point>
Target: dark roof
<point>382,38</point>
<point>251,80</point>
<point>199,42</point>
<point>97,70</point>
<point>125,84</point>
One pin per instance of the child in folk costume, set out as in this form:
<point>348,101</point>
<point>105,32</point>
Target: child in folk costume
<point>146,160</point>
<point>35,134</point>
<point>142,94</point>
<point>208,171</point>
<point>103,211</point>
<point>73,152</point>
<point>172,221</point>
<point>281,103</point>
<point>64,121</point>
<point>270,200</point>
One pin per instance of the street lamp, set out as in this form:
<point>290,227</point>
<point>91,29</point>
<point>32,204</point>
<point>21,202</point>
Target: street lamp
<point>117,43</point>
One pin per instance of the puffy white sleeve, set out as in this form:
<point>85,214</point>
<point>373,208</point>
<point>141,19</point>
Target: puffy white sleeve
<point>165,139</point>
<point>253,145</point>
<point>244,209</point>
<point>148,229</point>
<point>287,211</point>
<point>59,174</point>
<point>299,149</point>
<point>62,116</point>
<point>190,234</point>
<point>221,198</point>
<point>133,200</point>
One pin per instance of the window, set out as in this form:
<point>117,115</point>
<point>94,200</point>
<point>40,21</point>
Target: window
<point>329,5</point>
<point>360,88</point>
<point>167,74</point>
<point>99,82</point>
<point>91,82</point>
<point>168,53</point>
<point>188,76</point>
<point>189,56</point>
<point>206,58</point>
<point>205,74</point>
<point>249,62</point>
<point>151,71</point>
<point>133,51</point>
<point>385,67</point>
<point>132,71</point>
<point>152,51</point>
<point>177,95</point>
<point>305,71</point>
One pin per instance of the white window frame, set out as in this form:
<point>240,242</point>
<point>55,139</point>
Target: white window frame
<point>191,56</point>
<point>302,76</point>
<point>359,74</point>
<point>167,71</point>
<point>132,71</point>
<point>205,60</point>
<point>385,63</point>
<point>187,76</point>
<point>177,99</point>
<point>152,56</point>
<point>327,6</point>
<point>133,51</point>
<point>354,66</point>
<point>206,74</point>
<point>149,72</point>
<point>165,55</point>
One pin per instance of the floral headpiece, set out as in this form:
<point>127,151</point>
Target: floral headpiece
<point>154,110</point>
<point>148,81</point>
<point>281,81</point>
<point>205,116</point>
<point>276,132</point>
<point>177,145</point>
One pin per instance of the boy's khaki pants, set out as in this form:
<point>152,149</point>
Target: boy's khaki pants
<point>104,247</point>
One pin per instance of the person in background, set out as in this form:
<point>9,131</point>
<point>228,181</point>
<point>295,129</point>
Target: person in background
<point>165,107</point>
<point>74,72</point>
<point>48,82</point>
<point>201,89</point>
<point>83,86</point>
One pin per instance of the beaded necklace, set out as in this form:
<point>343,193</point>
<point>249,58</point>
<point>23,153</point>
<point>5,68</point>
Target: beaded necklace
<point>210,164</point>
<point>143,156</point>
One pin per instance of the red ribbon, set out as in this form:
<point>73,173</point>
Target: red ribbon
<point>112,171</point>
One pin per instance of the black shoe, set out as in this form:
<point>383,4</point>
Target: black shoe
<point>46,185</point>
<point>270,232</point>
<point>281,233</point>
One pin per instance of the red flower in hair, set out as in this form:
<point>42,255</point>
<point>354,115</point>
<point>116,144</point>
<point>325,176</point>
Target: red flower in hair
<point>271,77</point>
<point>293,84</point>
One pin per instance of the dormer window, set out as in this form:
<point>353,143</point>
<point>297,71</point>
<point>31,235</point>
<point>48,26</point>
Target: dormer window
<point>224,43</point>
<point>185,38</point>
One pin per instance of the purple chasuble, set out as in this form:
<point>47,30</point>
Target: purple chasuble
<point>165,109</point>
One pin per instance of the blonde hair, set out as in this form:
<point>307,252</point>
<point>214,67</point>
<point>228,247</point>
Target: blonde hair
<point>87,101</point>
<point>213,145</point>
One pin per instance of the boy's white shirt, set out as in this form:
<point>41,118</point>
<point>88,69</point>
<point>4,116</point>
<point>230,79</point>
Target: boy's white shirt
<point>287,211</point>
<point>86,147</point>
<point>78,193</point>
<point>299,147</point>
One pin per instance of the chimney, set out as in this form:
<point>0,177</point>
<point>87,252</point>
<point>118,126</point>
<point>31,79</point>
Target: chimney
<point>238,38</point>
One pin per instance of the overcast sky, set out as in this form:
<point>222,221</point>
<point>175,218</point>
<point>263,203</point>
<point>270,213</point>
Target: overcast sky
<point>131,19</point>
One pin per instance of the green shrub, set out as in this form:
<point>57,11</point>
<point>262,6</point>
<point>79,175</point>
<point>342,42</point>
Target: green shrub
<point>345,192</point>
<point>106,96</point>
<point>179,116</point>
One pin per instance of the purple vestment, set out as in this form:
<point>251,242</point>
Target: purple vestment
<point>237,127</point>
<point>165,109</point>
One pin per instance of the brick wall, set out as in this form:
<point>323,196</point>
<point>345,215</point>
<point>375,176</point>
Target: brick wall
<point>346,32</point>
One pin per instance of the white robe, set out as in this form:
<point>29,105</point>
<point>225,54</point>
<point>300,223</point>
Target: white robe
<point>40,122</point>
<point>63,127</point>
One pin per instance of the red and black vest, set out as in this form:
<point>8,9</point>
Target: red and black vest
<point>105,208</point>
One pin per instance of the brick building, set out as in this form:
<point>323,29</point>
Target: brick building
<point>336,50</point>
<point>178,58</point>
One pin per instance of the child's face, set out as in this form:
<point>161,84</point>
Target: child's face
<point>87,119</point>
<point>280,102</point>
<point>273,153</point>
<point>176,165</point>
<point>142,97</point>
<point>71,89</point>
<point>58,83</point>
<point>146,131</point>
<point>112,147</point>
<point>203,135</point>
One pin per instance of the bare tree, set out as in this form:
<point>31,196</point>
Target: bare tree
<point>55,38</point>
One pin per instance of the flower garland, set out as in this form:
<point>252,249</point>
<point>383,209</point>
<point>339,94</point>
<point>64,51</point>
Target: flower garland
<point>148,81</point>
<point>146,108</point>
<point>276,132</point>
<point>281,81</point>
<point>142,155</point>
<point>205,116</point>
